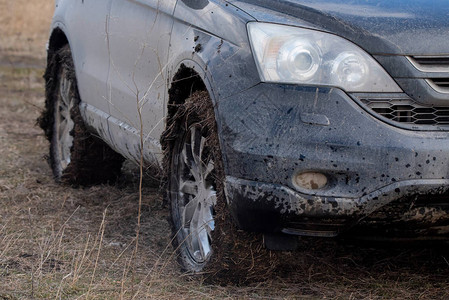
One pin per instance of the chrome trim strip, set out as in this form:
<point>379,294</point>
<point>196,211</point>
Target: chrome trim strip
<point>439,89</point>
<point>429,69</point>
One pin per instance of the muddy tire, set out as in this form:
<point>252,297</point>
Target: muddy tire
<point>192,186</point>
<point>76,156</point>
<point>205,237</point>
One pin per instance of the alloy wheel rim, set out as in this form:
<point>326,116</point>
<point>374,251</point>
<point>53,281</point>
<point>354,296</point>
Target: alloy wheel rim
<point>197,194</point>
<point>64,122</point>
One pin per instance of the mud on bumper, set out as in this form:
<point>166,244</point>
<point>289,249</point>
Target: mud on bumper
<point>268,207</point>
<point>272,132</point>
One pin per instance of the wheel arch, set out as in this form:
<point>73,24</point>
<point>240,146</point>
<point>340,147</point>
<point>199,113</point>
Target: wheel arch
<point>58,39</point>
<point>189,77</point>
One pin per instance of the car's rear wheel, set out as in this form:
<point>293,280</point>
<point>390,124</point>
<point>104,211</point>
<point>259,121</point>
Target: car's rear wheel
<point>76,156</point>
<point>63,125</point>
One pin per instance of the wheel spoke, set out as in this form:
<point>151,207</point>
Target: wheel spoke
<point>62,106</point>
<point>207,225</point>
<point>63,121</point>
<point>194,142</point>
<point>208,211</point>
<point>63,130</point>
<point>193,232</point>
<point>191,158</point>
<point>184,157</point>
<point>65,140</point>
<point>212,199</point>
<point>202,144</point>
<point>189,162</point>
<point>196,194</point>
<point>189,211</point>
<point>64,112</point>
<point>189,187</point>
<point>65,92</point>
<point>204,244</point>
<point>211,223</point>
<point>197,143</point>
<point>209,168</point>
<point>207,219</point>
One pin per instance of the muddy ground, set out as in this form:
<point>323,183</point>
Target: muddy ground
<point>77,243</point>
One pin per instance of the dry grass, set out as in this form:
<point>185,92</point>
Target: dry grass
<point>57,242</point>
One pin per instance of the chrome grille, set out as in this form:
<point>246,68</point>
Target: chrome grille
<point>439,84</point>
<point>435,61</point>
<point>443,82</point>
<point>405,110</point>
<point>438,65</point>
<point>430,63</point>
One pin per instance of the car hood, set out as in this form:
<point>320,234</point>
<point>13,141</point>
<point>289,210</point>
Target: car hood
<point>412,27</point>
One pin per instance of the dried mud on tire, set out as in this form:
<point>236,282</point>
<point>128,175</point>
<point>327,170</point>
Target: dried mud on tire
<point>238,257</point>
<point>91,160</point>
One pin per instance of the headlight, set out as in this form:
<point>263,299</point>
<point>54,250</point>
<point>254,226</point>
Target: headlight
<point>302,56</point>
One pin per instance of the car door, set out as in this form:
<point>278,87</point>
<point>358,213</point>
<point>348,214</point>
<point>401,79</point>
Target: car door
<point>85,24</point>
<point>139,35</point>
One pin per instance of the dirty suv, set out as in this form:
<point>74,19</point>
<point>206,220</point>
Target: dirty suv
<point>292,117</point>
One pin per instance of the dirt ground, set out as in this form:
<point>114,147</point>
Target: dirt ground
<point>59,242</point>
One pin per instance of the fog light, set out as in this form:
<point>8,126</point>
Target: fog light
<point>310,180</point>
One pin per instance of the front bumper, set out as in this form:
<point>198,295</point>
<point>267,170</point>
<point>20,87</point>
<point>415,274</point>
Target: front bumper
<point>275,208</point>
<point>272,132</point>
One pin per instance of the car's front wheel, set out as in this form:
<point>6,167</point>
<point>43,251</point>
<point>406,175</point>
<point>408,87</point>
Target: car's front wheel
<point>194,167</point>
<point>205,237</point>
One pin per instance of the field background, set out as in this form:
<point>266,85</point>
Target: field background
<point>58,242</point>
